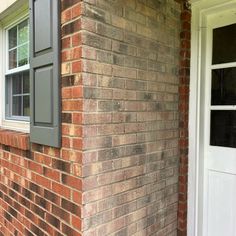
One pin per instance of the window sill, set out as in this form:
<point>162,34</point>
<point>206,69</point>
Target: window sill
<point>15,125</point>
<point>14,139</point>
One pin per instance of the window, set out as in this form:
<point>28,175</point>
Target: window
<point>44,90</point>
<point>17,93</point>
<point>223,87</point>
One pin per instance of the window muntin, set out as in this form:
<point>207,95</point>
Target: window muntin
<point>17,72</point>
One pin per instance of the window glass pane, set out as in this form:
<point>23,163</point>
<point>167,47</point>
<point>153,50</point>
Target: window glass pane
<point>12,59</point>
<point>23,53</point>
<point>12,37</point>
<point>23,32</point>
<point>7,95</point>
<point>26,82</point>
<point>26,106</point>
<point>16,106</point>
<point>16,84</point>
<point>17,94</point>
<point>224,44</point>
<point>223,87</point>
<point>223,128</point>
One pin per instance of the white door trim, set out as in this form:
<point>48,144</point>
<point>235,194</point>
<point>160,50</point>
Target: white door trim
<point>201,9</point>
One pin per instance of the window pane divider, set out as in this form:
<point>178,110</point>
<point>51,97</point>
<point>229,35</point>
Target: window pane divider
<point>18,69</point>
<point>18,46</point>
<point>223,108</point>
<point>223,66</point>
<point>11,49</point>
<point>22,94</point>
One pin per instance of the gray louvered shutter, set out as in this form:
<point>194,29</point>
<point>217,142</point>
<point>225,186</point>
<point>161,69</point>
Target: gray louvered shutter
<point>45,72</point>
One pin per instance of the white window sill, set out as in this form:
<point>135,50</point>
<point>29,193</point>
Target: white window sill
<point>22,126</point>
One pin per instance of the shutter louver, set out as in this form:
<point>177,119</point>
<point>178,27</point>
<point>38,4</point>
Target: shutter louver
<point>45,125</point>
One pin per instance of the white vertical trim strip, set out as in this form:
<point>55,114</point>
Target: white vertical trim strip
<point>2,100</point>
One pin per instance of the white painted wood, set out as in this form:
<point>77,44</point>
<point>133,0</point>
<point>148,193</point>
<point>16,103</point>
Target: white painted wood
<point>223,108</point>
<point>221,204</point>
<point>194,116</point>
<point>202,11</point>
<point>6,4</point>
<point>225,65</point>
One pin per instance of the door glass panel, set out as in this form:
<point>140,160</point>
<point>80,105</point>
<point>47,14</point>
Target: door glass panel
<point>224,44</point>
<point>223,128</point>
<point>223,87</point>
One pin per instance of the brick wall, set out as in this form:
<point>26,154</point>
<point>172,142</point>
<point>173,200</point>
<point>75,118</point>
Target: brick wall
<point>40,186</point>
<point>130,64</point>
<point>117,170</point>
<point>184,115</point>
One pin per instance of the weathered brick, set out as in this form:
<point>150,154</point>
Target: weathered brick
<point>96,41</point>
<point>117,170</point>
<point>110,32</point>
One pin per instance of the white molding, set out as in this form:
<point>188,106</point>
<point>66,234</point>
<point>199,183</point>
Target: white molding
<point>10,8</point>
<point>201,9</point>
<point>6,4</point>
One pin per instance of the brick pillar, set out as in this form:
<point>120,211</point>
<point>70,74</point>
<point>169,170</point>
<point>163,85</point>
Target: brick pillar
<point>41,186</point>
<point>184,116</point>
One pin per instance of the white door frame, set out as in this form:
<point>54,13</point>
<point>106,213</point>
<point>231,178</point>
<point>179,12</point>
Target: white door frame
<point>201,9</point>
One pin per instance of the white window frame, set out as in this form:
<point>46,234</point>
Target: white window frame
<point>13,19</point>
<point>15,70</point>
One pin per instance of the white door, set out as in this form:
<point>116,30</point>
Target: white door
<point>219,121</point>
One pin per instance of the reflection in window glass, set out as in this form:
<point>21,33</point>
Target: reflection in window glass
<point>18,94</point>
<point>16,84</point>
<point>13,59</point>
<point>23,32</point>
<point>16,106</point>
<point>23,55</point>
<point>26,106</point>
<point>223,128</point>
<point>18,45</point>
<point>13,37</point>
<point>26,82</point>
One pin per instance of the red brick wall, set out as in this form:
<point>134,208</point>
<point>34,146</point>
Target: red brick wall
<point>184,115</point>
<point>117,171</point>
<point>41,187</point>
<point>130,64</point>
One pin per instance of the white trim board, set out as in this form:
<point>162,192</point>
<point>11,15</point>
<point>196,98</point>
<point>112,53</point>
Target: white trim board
<point>201,10</point>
